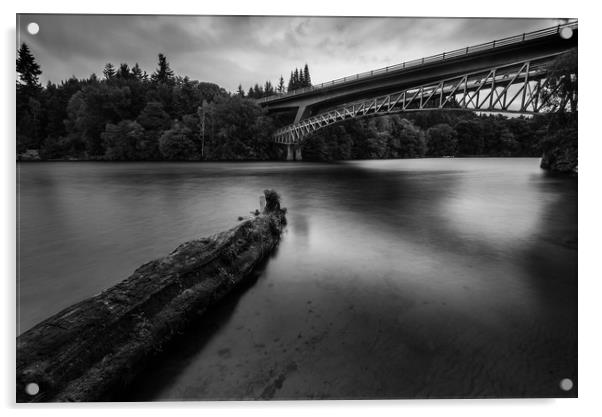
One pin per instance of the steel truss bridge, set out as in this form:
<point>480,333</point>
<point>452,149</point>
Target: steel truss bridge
<point>487,91</point>
<point>508,75</point>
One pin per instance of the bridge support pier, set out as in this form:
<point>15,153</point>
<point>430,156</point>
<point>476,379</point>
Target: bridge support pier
<point>298,156</point>
<point>293,153</point>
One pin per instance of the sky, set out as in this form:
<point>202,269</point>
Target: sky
<point>233,50</point>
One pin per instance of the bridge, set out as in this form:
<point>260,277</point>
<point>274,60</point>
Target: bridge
<point>504,75</point>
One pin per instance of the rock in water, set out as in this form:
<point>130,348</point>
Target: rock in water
<point>92,350</point>
<point>560,151</point>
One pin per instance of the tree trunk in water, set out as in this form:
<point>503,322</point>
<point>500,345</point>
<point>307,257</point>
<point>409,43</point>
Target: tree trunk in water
<point>92,350</point>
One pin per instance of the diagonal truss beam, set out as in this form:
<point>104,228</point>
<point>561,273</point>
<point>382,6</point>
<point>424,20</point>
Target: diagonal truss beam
<point>489,90</point>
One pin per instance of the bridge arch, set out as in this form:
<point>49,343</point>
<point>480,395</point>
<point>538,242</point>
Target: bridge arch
<point>511,88</point>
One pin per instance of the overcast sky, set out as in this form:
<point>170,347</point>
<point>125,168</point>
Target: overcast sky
<point>232,50</point>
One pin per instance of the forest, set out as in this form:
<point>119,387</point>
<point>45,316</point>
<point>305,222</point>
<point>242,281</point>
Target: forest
<point>127,114</point>
<point>433,134</point>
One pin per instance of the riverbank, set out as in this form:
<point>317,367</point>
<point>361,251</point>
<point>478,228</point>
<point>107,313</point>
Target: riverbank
<point>557,160</point>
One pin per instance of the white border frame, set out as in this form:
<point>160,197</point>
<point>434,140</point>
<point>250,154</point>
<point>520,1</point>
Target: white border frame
<point>590,276</point>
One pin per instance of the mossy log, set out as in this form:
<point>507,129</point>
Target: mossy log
<point>92,350</point>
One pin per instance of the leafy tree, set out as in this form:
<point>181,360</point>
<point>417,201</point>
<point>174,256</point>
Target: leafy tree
<point>90,109</point>
<point>470,137</point>
<point>441,140</point>
<point>388,136</point>
<point>155,121</point>
<point>30,125</point>
<point>210,91</point>
<point>508,146</point>
<point>563,86</point>
<point>123,141</point>
<point>560,144</point>
<point>186,96</point>
<point>59,148</point>
<point>407,141</point>
<point>176,144</point>
<point>329,144</point>
<point>153,117</point>
<point>525,136</point>
<point>242,130</point>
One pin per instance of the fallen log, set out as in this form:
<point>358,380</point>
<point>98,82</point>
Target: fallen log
<point>92,350</point>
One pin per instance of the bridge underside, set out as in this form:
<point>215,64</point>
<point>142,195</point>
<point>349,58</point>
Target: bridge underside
<point>506,75</point>
<point>512,88</point>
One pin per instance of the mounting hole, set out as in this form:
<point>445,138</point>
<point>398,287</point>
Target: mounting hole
<point>566,384</point>
<point>566,33</point>
<point>33,28</point>
<point>32,388</point>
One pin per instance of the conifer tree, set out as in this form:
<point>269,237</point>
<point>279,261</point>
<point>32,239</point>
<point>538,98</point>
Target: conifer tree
<point>29,109</point>
<point>306,76</point>
<point>268,89</point>
<point>109,71</point>
<point>123,71</point>
<point>163,74</point>
<point>301,79</point>
<point>296,79</point>
<point>28,68</point>
<point>138,74</point>
<point>257,91</point>
<point>280,87</point>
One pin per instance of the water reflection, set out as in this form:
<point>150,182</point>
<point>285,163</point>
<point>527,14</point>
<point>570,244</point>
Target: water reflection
<point>414,278</point>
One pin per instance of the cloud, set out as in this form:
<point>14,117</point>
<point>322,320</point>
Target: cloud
<point>230,50</point>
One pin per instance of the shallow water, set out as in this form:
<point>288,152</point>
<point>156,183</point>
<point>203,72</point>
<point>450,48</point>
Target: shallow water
<point>398,278</point>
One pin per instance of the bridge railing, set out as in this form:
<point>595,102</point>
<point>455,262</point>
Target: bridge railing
<point>511,40</point>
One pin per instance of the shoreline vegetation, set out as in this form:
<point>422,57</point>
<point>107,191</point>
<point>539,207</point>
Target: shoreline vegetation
<point>34,160</point>
<point>92,350</point>
<point>129,115</point>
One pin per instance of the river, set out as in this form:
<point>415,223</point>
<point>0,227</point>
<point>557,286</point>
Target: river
<point>394,279</point>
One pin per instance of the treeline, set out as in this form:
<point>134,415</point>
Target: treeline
<point>299,78</point>
<point>130,115</point>
<point>440,133</point>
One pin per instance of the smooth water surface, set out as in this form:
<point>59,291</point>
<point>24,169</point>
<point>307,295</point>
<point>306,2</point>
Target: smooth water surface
<point>398,278</point>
